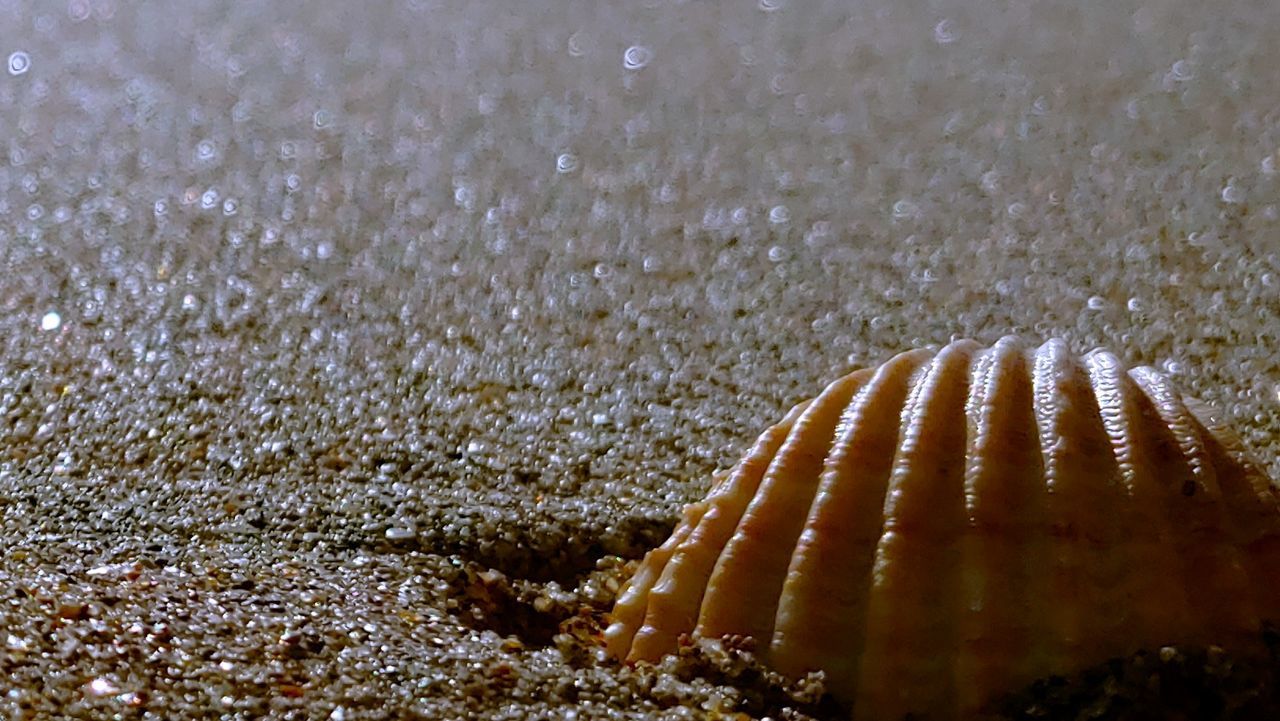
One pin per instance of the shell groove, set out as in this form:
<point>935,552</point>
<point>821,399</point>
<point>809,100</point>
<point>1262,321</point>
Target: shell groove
<point>949,526</point>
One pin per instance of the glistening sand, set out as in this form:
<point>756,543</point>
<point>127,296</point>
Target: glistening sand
<point>305,307</point>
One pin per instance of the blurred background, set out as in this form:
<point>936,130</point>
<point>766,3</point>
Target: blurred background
<point>513,278</point>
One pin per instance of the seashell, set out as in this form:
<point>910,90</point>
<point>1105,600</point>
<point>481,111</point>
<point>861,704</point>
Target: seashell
<point>948,527</point>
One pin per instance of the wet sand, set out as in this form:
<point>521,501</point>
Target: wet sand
<point>311,319</point>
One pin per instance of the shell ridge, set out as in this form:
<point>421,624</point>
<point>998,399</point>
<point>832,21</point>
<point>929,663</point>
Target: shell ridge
<point>836,570</point>
<point>1252,509</point>
<point>1244,486</point>
<point>908,626</point>
<point>975,574</point>
<point>976,413</point>
<point>746,583</point>
<point>1080,481</point>
<point>1123,538</point>
<point>668,615</point>
<point>629,610</point>
<point>1112,545</point>
<point>999,557</point>
<point>1160,609</point>
<point>1058,616</point>
<point>1195,504</point>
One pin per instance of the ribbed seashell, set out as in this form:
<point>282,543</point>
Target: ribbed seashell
<point>950,526</point>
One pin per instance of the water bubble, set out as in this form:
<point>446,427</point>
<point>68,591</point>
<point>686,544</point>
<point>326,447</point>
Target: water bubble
<point>740,216</point>
<point>566,163</point>
<point>944,33</point>
<point>293,182</point>
<point>1232,194</point>
<point>953,124</point>
<point>50,321</point>
<point>779,215</point>
<point>160,208</point>
<point>1096,302</point>
<point>19,62</point>
<point>1269,165</point>
<point>206,150</point>
<point>577,45</point>
<point>230,206</point>
<point>772,5</point>
<point>1181,71</point>
<point>904,209</point>
<point>209,199</point>
<point>635,58</point>
<point>35,211</point>
<point>79,10</point>
<point>991,181</point>
<point>134,89</point>
<point>1136,305</point>
<point>321,119</point>
<point>778,254</point>
<point>45,23</point>
<point>463,197</point>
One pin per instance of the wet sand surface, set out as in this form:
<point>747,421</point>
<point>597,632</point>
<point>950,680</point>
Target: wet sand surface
<point>339,346</point>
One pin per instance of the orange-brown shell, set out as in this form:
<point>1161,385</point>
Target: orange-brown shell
<point>949,526</point>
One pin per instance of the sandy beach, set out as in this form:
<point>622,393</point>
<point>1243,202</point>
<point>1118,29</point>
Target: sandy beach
<point>347,352</point>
